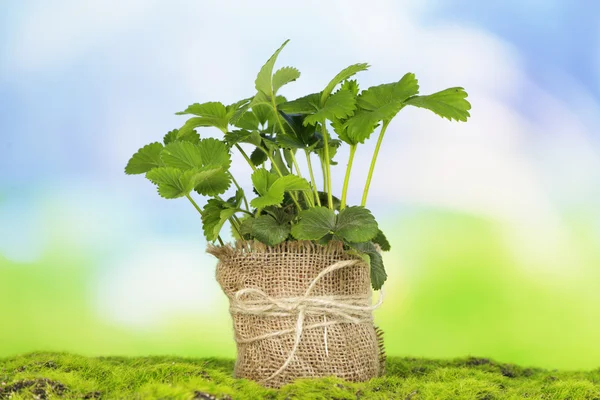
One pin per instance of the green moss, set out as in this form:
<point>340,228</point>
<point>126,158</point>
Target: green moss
<point>59,375</point>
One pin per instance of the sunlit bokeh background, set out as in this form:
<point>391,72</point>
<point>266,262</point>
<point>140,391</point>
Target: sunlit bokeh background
<point>494,223</point>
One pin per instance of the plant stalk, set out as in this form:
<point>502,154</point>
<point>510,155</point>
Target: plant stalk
<point>245,156</point>
<point>235,226</point>
<point>312,178</point>
<point>373,161</point>
<point>324,173</point>
<point>347,178</point>
<point>327,165</point>
<point>308,198</point>
<point>239,188</point>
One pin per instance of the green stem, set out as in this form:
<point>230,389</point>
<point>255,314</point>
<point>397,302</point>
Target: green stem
<point>237,220</point>
<point>194,204</point>
<point>327,165</point>
<point>245,211</point>
<point>235,225</point>
<point>347,178</point>
<point>373,161</point>
<point>246,156</point>
<point>308,198</point>
<point>312,177</point>
<point>324,172</point>
<point>201,214</point>
<point>277,114</point>
<point>239,188</point>
<point>274,164</point>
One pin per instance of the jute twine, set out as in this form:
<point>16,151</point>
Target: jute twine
<point>339,309</point>
<point>269,303</point>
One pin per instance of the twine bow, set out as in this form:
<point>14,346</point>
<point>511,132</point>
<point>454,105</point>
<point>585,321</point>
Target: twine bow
<point>340,309</point>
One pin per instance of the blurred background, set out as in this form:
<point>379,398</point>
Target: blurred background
<point>494,223</point>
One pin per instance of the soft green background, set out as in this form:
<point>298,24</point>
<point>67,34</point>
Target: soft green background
<point>494,224</point>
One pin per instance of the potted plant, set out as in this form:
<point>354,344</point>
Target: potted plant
<point>300,272</point>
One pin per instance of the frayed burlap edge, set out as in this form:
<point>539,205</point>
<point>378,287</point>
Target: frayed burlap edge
<point>334,247</point>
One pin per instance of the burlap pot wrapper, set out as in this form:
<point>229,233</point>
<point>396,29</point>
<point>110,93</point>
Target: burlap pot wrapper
<point>300,310</point>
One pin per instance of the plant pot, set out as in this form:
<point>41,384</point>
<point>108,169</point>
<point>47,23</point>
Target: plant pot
<point>299,310</point>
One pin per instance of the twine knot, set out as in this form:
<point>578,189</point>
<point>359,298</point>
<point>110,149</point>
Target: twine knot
<point>333,309</point>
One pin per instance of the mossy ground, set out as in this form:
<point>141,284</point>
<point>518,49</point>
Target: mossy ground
<point>58,375</point>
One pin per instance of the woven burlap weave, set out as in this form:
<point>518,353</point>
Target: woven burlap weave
<point>291,320</point>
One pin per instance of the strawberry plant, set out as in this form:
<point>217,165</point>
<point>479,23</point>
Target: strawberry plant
<point>271,133</point>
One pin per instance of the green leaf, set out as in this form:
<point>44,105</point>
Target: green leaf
<point>352,224</point>
<point>197,122</point>
<point>287,155</point>
<point>206,153</point>
<point>278,161</point>
<point>258,157</point>
<point>183,155</point>
<point>359,127</point>
<point>286,141</point>
<point>269,199</point>
<point>263,108</point>
<point>212,113</point>
<point>236,115</point>
<point>145,159</point>
<point>264,82</point>
<point>248,121</point>
<point>314,223</point>
<point>213,109</point>
<point>243,136</point>
<point>214,152</point>
<point>339,125</point>
<point>339,105</point>
<point>260,99</point>
<point>235,201</point>
<point>382,241</point>
<point>378,274</point>
<point>246,226</point>
<point>274,193</point>
<point>239,196</point>
<point>171,136</point>
<point>263,180</point>
<point>211,217</point>
<point>356,224</point>
<point>290,182</point>
<point>173,182</point>
<point>351,85</point>
<point>336,200</point>
<point>213,184</point>
<point>341,76</point>
<point>449,103</point>
<point>267,230</point>
<point>334,144</point>
<point>303,105</point>
<point>341,130</point>
<point>191,136</point>
<point>379,103</point>
<point>269,143</point>
<point>234,108</point>
<point>214,216</point>
<point>297,134</point>
<point>386,98</point>
<point>284,76</point>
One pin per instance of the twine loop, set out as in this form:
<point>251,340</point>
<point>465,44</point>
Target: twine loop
<point>334,310</point>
